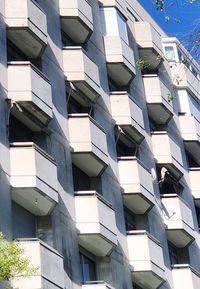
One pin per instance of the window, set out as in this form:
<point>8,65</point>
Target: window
<point>187,104</point>
<point>178,255</point>
<point>180,55</point>
<point>23,222</point>
<point>198,216</point>
<point>129,220</point>
<point>192,163</point>
<point>15,54</point>
<point>75,107</point>
<point>88,268</point>
<point>168,184</point>
<point>18,132</point>
<point>124,145</point>
<point>173,254</point>
<point>113,23</point>
<point>122,27</point>
<point>169,53</point>
<point>124,149</point>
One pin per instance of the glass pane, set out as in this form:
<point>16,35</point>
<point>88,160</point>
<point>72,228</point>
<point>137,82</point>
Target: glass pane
<point>113,23</point>
<point>173,254</point>
<point>169,53</point>
<point>109,22</point>
<point>88,269</point>
<point>129,221</point>
<point>122,27</point>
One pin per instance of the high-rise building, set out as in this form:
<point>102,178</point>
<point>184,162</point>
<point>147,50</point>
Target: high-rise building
<point>99,146</point>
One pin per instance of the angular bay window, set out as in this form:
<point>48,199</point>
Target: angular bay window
<point>113,23</point>
<point>88,269</point>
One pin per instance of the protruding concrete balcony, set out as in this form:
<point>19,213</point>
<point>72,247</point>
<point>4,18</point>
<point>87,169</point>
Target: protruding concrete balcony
<point>88,142</point>
<point>26,26</point>
<point>95,221</point>
<point>190,131</point>
<point>157,95</point>
<point>96,285</point>
<point>194,174</point>
<point>120,60</point>
<point>145,259</point>
<point>184,78</point>
<point>178,220</point>
<point>80,70</point>
<point>136,184</point>
<point>167,153</point>
<point>127,115</point>
<point>30,95</point>
<point>185,277</point>
<point>33,178</point>
<point>119,4</point>
<point>149,44</point>
<point>49,264</point>
<point>76,19</point>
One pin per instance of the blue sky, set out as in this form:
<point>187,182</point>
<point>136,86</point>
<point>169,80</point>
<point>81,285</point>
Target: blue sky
<point>183,16</point>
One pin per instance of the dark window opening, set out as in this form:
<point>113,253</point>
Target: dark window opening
<point>168,184</point>
<point>18,132</point>
<point>130,221</point>
<point>125,146</point>
<point>135,221</point>
<point>113,86</point>
<point>149,70</point>
<point>82,182</point>
<point>23,222</point>
<point>15,54</point>
<point>123,150</point>
<point>191,162</point>
<point>173,254</point>
<point>157,127</point>
<point>44,229</point>
<point>178,255</point>
<point>88,269</point>
<point>66,41</point>
<point>198,216</point>
<point>80,179</point>
<point>75,107</point>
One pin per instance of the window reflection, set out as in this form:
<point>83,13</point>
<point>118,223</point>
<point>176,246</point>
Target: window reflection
<point>88,269</point>
<point>169,53</point>
<point>113,23</point>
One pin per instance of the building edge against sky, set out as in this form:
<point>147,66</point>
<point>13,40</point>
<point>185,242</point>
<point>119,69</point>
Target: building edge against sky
<point>99,146</point>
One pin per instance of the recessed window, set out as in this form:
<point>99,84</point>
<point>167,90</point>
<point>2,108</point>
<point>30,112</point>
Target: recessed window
<point>113,23</point>
<point>18,132</point>
<point>130,222</point>
<point>168,184</point>
<point>169,53</point>
<point>88,269</point>
<point>173,254</point>
<point>178,255</point>
<point>198,216</point>
<point>23,222</point>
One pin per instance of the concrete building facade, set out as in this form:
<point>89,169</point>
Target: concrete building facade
<point>99,146</point>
